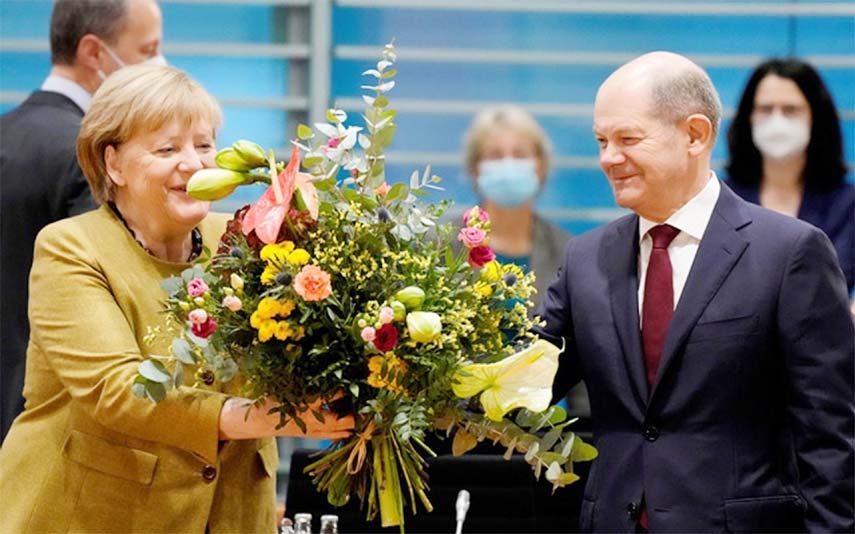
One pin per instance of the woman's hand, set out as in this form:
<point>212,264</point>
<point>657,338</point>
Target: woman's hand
<point>240,419</point>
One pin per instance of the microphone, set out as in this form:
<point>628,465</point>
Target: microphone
<point>462,506</point>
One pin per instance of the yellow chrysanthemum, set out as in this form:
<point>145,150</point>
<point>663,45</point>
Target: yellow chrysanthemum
<point>483,289</point>
<point>297,332</point>
<point>375,366</point>
<point>268,307</point>
<point>298,257</point>
<point>285,308</point>
<point>276,252</point>
<point>282,331</point>
<point>491,271</point>
<point>268,277</point>
<point>394,368</point>
<point>256,319</point>
<point>266,330</point>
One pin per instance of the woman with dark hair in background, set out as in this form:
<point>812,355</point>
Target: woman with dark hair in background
<point>786,153</point>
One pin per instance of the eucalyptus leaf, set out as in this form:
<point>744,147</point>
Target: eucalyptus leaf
<point>155,391</point>
<point>381,102</point>
<point>227,370</point>
<point>138,389</point>
<point>327,129</point>
<point>312,161</point>
<point>304,132</point>
<point>178,375</point>
<point>154,370</point>
<point>172,285</point>
<point>550,439</point>
<point>182,352</point>
<point>532,451</point>
<point>397,191</point>
<point>582,452</point>
<point>192,272</point>
<point>384,137</point>
<point>386,87</point>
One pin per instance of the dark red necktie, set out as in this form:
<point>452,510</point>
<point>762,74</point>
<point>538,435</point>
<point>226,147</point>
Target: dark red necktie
<point>657,310</point>
<point>658,304</point>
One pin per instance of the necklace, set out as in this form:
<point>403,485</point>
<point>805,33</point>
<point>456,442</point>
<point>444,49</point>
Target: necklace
<point>195,236</point>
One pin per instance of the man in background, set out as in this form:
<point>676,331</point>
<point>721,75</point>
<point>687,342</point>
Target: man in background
<point>40,180</point>
<point>714,335</point>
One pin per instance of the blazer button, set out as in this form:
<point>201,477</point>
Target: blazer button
<point>651,433</point>
<point>633,510</point>
<point>209,473</point>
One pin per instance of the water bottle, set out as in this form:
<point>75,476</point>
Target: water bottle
<point>329,524</point>
<point>303,523</point>
<point>286,526</point>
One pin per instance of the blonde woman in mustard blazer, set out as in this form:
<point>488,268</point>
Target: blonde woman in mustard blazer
<point>86,455</point>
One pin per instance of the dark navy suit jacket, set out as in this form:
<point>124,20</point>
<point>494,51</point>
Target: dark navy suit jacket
<point>750,424</point>
<point>40,182</point>
<point>832,211</point>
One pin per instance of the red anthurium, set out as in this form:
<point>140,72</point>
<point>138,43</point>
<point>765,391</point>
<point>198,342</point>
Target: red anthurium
<point>267,214</point>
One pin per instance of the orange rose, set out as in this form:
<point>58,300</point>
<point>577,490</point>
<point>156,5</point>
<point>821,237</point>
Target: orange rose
<point>312,283</point>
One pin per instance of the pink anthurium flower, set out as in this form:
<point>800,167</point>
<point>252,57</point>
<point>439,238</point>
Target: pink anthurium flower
<point>267,214</point>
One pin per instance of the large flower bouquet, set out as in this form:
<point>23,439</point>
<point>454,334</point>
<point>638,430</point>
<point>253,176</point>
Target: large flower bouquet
<point>336,284</point>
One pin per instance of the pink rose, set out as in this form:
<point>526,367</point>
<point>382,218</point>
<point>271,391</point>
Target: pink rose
<point>471,237</point>
<point>387,338</point>
<point>382,189</point>
<point>387,315</point>
<point>313,283</point>
<point>477,214</point>
<point>481,255</point>
<point>197,287</point>
<point>368,334</point>
<point>232,302</point>
<point>205,329</point>
<point>198,316</point>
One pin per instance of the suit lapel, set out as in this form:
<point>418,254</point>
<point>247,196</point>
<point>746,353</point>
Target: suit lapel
<point>621,255</point>
<point>720,248</point>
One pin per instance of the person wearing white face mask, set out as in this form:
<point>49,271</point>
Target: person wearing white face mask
<point>156,60</point>
<point>786,153</point>
<point>42,181</point>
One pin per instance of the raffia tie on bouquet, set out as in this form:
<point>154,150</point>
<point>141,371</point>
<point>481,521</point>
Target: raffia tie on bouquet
<point>360,450</point>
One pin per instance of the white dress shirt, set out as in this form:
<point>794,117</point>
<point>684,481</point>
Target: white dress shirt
<point>66,87</point>
<point>692,220</point>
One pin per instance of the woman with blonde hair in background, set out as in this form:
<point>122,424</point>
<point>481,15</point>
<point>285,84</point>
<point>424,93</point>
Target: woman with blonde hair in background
<point>509,156</point>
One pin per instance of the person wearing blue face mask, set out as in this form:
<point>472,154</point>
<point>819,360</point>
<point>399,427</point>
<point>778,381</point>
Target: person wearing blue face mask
<point>508,155</point>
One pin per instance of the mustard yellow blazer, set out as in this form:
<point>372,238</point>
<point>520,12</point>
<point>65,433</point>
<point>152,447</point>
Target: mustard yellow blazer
<point>86,455</point>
